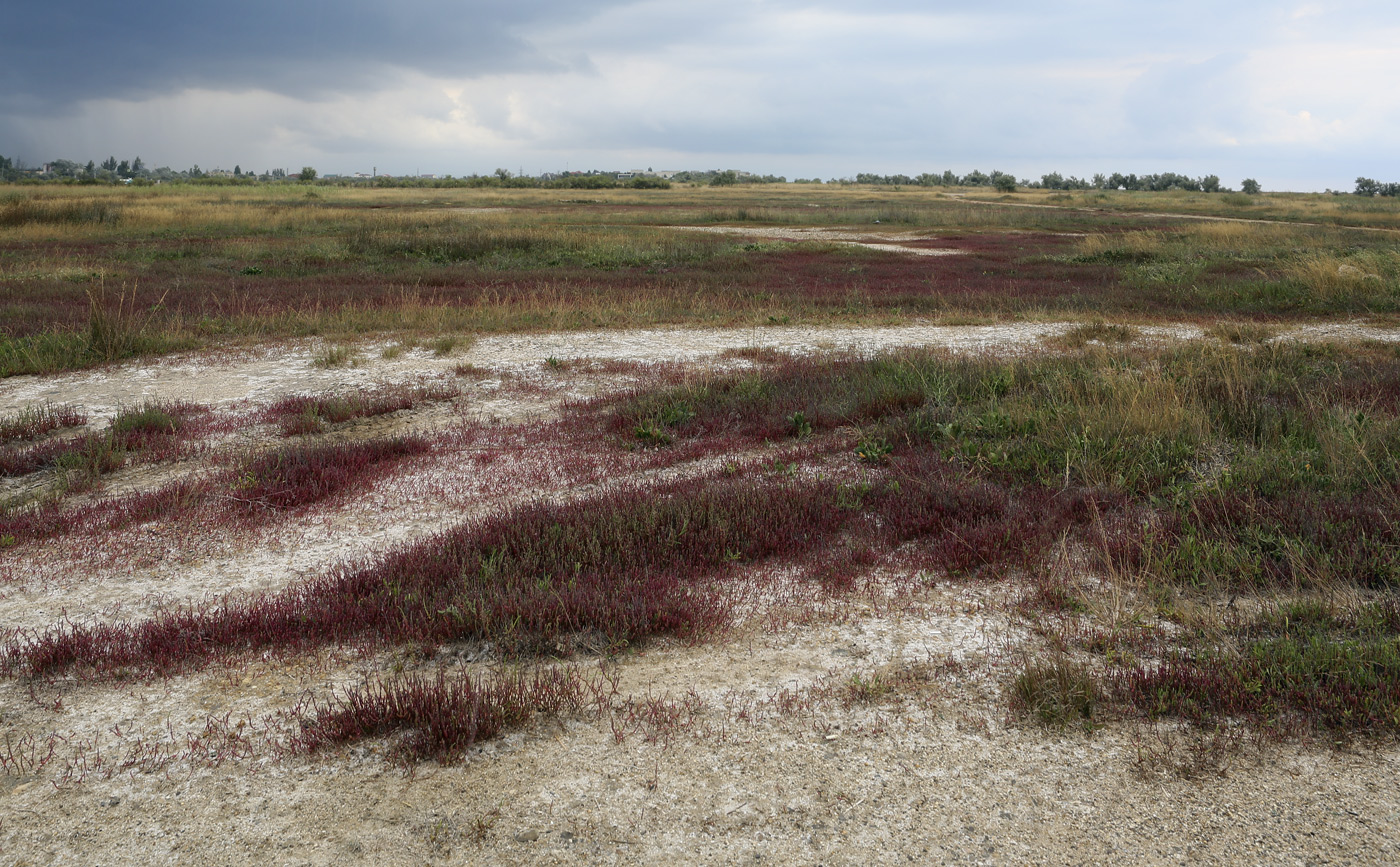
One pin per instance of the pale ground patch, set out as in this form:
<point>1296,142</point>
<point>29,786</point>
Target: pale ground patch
<point>771,765</point>
<point>888,242</point>
<point>262,375</point>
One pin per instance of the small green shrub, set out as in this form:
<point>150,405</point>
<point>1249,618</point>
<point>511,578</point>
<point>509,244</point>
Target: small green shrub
<point>653,434</point>
<point>873,450</point>
<point>334,356</point>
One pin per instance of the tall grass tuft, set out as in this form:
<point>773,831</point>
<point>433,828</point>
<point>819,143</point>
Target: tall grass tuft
<point>442,717</point>
<point>117,330</point>
<point>1055,693</point>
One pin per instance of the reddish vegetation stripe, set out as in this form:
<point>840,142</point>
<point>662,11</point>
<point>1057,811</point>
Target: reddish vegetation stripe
<point>156,432</point>
<point>34,423</point>
<point>622,566</point>
<point>300,474</point>
<point>288,478</point>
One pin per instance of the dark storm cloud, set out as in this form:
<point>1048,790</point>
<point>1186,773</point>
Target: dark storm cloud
<point>71,50</point>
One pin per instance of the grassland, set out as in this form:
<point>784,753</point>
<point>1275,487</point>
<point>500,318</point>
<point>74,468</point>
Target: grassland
<point>90,275</point>
<point>1176,510</point>
<point>1338,210</point>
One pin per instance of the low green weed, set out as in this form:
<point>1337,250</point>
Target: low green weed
<point>331,357</point>
<point>1096,332</point>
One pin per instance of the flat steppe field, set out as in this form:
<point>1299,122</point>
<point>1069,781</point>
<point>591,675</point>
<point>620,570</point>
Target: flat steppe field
<point>751,524</point>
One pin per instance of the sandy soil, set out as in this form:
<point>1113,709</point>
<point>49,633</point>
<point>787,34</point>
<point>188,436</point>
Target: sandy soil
<point>751,749</point>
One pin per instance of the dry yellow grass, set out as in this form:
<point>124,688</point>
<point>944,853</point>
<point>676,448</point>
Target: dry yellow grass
<point>1333,275</point>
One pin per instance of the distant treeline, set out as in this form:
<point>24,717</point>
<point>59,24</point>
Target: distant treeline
<point>593,180</point>
<point>1368,187</point>
<point>134,171</point>
<point>114,171</point>
<point>600,181</point>
<point>1056,181</point>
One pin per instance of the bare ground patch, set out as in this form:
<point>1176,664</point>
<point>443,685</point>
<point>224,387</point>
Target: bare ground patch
<point>868,726</point>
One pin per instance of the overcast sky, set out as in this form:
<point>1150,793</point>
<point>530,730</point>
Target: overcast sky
<point>1300,95</point>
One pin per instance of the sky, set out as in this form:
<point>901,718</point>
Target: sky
<point>1299,95</point>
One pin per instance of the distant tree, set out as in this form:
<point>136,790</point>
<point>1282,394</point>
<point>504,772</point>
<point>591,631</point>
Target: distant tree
<point>1250,186</point>
<point>585,182</point>
<point>307,174</point>
<point>503,174</point>
<point>124,169</point>
<point>110,164</point>
<point>725,178</point>
<point>238,171</point>
<point>278,174</point>
<point>137,167</point>
<point>999,180</point>
<point>91,169</point>
<point>1210,183</point>
<point>1367,187</point>
<point>195,171</point>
